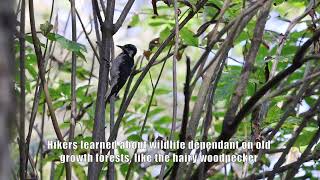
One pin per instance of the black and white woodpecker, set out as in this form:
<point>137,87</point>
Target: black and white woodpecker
<point>121,69</point>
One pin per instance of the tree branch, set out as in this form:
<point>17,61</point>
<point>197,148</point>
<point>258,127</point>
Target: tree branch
<point>185,117</point>
<point>22,142</point>
<point>174,84</point>
<point>73,79</point>
<point>123,15</point>
<point>73,74</point>
<point>249,62</point>
<point>96,10</point>
<point>88,38</point>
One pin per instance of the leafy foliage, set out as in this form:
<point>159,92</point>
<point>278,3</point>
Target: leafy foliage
<point>159,20</point>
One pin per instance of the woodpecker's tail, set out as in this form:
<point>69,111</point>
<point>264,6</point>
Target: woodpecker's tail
<point>108,96</point>
<point>111,91</point>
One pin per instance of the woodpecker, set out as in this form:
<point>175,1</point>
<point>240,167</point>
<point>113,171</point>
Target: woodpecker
<point>121,69</point>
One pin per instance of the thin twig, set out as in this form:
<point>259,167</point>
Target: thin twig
<point>123,15</point>
<point>88,38</point>
<point>146,116</point>
<point>22,142</point>
<point>73,79</point>
<point>174,84</point>
<point>185,117</point>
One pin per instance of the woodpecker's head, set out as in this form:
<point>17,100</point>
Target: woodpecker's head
<point>129,49</point>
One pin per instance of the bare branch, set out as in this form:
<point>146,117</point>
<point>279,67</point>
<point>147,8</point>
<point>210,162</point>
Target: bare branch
<point>88,38</point>
<point>96,11</point>
<point>249,62</point>
<point>22,115</point>
<point>123,15</point>
<point>73,74</point>
<point>184,123</point>
<point>174,84</point>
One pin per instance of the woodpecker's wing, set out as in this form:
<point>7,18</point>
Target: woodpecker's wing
<point>115,69</point>
<point>115,73</point>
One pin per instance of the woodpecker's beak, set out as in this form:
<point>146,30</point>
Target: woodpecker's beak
<point>120,47</point>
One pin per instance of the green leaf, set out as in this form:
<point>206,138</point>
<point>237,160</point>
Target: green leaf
<point>68,44</point>
<point>32,71</point>
<point>88,124</point>
<point>30,40</point>
<point>123,151</point>
<point>161,22</point>
<point>265,160</point>
<point>79,171</point>
<point>156,111</point>
<point>58,104</point>
<point>124,169</point>
<point>134,137</point>
<point>54,155</point>
<point>65,89</point>
<point>134,21</point>
<point>65,124</point>
<point>188,37</point>
<point>31,59</point>
<point>164,34</point>
<point>163,120</point>
<point>133,129</point>
<point>161,130</point>
<point>58,173</point>
<point>273,115</point>
<point>161,91</point>
<point>227,83</point>
<point>82,73</point>
<point>305,138</point>
<point>55,94</point>
<point>310,101</point>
